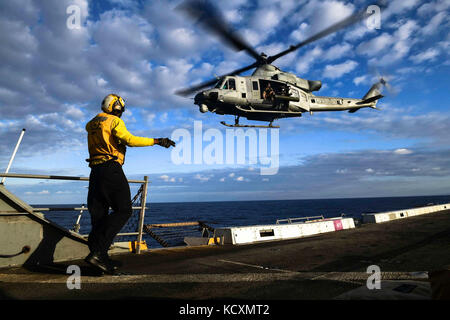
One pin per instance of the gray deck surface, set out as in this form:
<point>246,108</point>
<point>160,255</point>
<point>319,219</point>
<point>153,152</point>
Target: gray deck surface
<point>327,266</point>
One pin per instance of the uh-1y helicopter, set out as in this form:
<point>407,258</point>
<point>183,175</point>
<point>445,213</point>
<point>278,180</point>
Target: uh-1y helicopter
<point>269,93</point>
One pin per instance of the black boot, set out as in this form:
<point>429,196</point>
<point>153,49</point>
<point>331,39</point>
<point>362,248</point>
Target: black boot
<point>113,263</point>
<point>99,262</point>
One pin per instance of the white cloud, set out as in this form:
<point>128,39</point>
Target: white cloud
<point>306,61</point>
<point>326,13</point>
<point>434,23</point>
<point>163,117</point>
<point>337,51</point>
<point>357,32</point>
<point>361,79</point>
<point>148,116</point>
<point>433,6</point>
<point>202,177</point>
<point>299,34</point>
<point>43,192</point>
<point>74,112</point>
<point>164,177</point>
<point>396,7</point>
<point>233,16</point>
<point>429,54</point>
<point>101,82</point>
<point>376,45</point>
<point>338,70</point>
<point>402,151</point>
<point>263,20</point>
<point>394,47</point>
<point>266,19</point>
<point>64,192</point>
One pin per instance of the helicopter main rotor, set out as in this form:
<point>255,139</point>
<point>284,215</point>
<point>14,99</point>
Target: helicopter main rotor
<point>211,18</point>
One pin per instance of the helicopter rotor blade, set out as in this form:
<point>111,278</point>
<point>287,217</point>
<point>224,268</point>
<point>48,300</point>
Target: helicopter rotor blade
<point>350,20</point>
<point>187,91</point>
<point>211,18</point>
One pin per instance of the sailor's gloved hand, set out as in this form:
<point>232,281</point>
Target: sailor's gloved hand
<point>165,142</point>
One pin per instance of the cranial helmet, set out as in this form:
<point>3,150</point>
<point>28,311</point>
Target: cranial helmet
<point>112,102</point>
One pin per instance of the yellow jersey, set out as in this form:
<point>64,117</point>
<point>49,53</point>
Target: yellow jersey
<point>108,138</point>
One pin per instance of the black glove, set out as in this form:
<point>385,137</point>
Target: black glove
<point>165,142</point>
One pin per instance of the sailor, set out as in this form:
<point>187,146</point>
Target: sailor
<point>108,186</point>
<point>268,93</point>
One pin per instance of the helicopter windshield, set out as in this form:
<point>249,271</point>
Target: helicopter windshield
<point>219,84</point>
<point>226,84</point>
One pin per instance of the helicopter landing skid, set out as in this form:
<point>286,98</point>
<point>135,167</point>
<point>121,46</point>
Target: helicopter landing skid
<point>237,125</point>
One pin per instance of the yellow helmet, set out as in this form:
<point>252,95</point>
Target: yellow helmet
<point>112,102</point>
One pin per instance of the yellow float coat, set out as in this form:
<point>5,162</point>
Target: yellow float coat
<point>108,138</point>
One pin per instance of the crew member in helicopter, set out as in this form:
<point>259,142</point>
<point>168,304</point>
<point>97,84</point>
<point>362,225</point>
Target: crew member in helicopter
<point>108,187</point>
<point>268,93</point>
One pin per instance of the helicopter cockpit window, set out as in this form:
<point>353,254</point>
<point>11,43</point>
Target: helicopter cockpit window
<point>219,84</point>
<point>231,84</point>
<point>225,85</point>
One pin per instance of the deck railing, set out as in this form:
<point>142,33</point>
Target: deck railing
<point>143,198</point>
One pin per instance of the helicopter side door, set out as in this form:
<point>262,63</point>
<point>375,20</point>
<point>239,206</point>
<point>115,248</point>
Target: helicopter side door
<point>242,89</point>
<point>302,104</point>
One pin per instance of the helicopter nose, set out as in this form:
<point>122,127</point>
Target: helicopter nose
<point>200,97</point>
<point>205,96</point>
<point>212,96</point>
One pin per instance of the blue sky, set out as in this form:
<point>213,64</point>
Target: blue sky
<point>52,80</point>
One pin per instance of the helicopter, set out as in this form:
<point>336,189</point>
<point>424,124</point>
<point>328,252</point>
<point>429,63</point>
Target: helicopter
<point>269,93</point>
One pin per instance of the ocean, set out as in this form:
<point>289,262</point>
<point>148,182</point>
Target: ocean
<point>240,213</point>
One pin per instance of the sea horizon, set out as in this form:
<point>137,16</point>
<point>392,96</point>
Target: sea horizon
<point>264,200</point>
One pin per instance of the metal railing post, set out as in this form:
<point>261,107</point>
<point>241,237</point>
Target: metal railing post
<point>142,215</point>
<point>13,155</point>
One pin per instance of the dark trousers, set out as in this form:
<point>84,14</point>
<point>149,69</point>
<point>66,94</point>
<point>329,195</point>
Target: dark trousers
<point>108,187</point>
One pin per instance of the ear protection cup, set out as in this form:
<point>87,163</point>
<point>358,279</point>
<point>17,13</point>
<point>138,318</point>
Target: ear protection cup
<point>119,104</point>
<point>113,102</point>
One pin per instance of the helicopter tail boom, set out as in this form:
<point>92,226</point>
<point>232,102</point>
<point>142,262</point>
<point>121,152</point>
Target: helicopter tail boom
<point>371,99</point>
<point>373,91</point>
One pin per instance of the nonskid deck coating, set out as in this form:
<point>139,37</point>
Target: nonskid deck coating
<point>318,267</point>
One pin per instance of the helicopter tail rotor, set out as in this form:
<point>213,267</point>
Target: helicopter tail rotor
<point>384,79</point>
<point>374,93</point>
